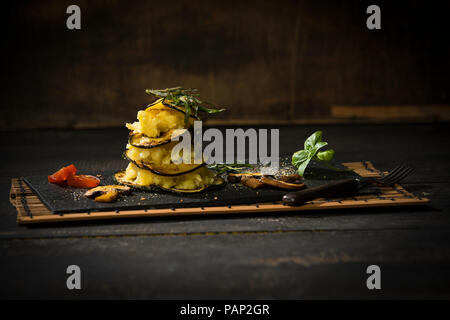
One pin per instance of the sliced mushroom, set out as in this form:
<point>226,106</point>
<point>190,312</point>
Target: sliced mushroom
<point>107,193</point>
<point>251,182</point>
<point>233,178</point>
<point>236,177</point>
<point>292,178</point>
<point>281,184</point>
<point>110,196</point>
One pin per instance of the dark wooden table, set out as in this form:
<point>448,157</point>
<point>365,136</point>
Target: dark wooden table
<point>285,256</point>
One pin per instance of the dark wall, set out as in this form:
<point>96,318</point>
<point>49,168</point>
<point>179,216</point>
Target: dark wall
<point>263,60</point>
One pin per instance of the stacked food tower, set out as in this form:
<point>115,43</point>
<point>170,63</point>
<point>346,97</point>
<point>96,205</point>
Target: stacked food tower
<point>151,165</point>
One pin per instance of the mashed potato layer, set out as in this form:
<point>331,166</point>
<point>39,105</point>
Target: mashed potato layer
<point>161,157</point>
<point>158,119</point>
<point>200,178</point>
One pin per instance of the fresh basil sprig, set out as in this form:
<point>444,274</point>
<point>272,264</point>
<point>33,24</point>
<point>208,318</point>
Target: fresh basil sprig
<point>312,145</point>
<point>188,98</point>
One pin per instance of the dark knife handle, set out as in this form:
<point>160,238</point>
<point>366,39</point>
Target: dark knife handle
<point>331,189</point>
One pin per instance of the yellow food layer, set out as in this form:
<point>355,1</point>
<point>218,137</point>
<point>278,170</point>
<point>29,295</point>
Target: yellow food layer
<point>158,119</point>
<point>197,179</point>
<point>161,156</point>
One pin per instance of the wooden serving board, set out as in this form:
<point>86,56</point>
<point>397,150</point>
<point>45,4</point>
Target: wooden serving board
<point>30,208</point>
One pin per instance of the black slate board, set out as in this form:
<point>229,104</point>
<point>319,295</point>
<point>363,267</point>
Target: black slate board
<point>62,200</point>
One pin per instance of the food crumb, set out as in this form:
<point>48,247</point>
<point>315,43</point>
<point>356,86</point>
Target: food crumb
<point>215,198</point>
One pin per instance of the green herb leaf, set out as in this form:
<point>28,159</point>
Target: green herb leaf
<point>302,167</point>
<point>187,114</point>
<point>326,155</point>
<point>179,96</point>
<point>312,145</point>
<point>209,110</point>
<point>312,140</point>
<point>320,144</point>
<point>299,157</point>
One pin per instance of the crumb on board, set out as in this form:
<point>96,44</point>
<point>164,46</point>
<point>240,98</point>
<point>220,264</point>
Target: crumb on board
<point>76,195</point>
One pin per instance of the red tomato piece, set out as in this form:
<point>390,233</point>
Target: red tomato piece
<point>60,176</point>
<point>83,181</point>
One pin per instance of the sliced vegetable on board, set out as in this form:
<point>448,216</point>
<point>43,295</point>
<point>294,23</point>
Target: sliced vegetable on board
<point>83,181</point>
<point>107,193</point>
<point>60,176</point>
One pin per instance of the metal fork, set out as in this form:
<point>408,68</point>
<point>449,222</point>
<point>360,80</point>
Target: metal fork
<point>394,176</point>
<point>344,187</point>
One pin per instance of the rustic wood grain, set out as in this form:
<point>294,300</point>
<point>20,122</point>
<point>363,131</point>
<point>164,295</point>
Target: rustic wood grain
<point>392,113</point>
<point>284,60</point>
<point>246,265</point>
<point>294,255</point>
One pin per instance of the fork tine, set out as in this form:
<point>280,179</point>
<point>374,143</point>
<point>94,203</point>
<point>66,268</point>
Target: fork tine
<point>402,176</point>
<point>394,177</point>
<point>393,172</point>
<point>398,176</point>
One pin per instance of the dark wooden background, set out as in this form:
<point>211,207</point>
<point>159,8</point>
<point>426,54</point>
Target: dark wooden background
<point>266,61</point>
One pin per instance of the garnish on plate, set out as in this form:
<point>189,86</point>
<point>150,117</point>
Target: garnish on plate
<point>234,167</point>
<point>60,176</point>
<point>251,182</point>
<point>82,181</point>
<point>281,184</point>
<point>188,98</point>
<point>107,193</point>
<point>68,176</point>
<point>312,145</point>
<point>237,177</point>
<point>256,180</point>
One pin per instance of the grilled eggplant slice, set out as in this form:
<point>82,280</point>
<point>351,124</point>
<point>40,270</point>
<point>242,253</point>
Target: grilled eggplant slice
<point>140,140</point>
<point>120,179</point>
<point>154,103</point>
<point>162,170</point>
<point>180,109</point>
